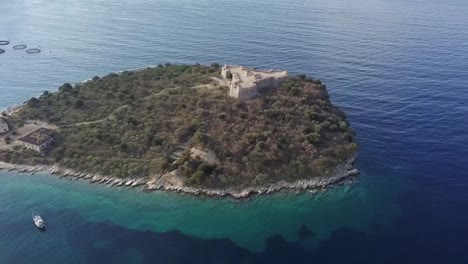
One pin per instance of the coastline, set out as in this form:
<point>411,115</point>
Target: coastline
<point>343,172</point>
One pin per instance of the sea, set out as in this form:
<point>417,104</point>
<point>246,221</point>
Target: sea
<point>398,68</point>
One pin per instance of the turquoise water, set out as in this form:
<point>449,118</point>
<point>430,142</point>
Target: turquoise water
<point>247,224</point>
<point>397,68</point>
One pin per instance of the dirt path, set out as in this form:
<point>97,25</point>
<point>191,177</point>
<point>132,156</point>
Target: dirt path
<point>108,117</point>
<point>209,86</point>
<point>221,82</point>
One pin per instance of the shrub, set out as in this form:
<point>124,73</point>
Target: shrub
<point>197,178</point>
<point>313,138</point>
<point>79,104</point>
<point>343,126</point>
<point>33,102</point>
<point>206,168</point>
<point>347,136</point>
<point>66,87</point>
<point>198,138</point>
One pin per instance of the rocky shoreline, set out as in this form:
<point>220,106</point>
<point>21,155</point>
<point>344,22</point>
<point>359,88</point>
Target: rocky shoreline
<point>343,172</point>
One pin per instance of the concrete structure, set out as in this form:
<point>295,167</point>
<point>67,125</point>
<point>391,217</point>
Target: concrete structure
<point>3,126</point>
<point>38,140</point>
<point>246,83</point>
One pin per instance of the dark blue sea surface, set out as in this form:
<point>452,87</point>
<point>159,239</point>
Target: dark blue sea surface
<point>399,69</point>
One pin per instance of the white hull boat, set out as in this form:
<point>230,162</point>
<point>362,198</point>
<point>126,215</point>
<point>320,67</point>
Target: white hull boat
<point>38,220</point>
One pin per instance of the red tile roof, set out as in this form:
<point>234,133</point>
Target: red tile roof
<point>38,137</point>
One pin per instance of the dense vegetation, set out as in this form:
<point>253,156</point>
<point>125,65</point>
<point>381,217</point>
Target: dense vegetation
<point>129,124</point>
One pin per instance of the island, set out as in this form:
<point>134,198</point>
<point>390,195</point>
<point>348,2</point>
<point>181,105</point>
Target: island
<point>214,130</point>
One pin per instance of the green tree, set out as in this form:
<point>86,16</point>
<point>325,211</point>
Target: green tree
<point>66,87</point>
<point>33,102</point>
<point>313,138</point>
<point>79,104</point>
<point>197,178</point>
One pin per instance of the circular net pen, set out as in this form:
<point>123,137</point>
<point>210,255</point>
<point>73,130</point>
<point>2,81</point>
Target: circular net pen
<point>32,51</point>
<point>2,51</point>
<point>4,42</point>
<point>19,47</point>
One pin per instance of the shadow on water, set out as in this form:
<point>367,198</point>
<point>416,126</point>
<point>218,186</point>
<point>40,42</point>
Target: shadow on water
<point>407,241</point>
<point>304,233</point>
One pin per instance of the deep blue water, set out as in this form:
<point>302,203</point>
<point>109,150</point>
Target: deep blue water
<point>398,69</point>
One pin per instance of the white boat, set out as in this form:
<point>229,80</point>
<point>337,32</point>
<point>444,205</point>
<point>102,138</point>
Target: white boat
<point>38,220</point>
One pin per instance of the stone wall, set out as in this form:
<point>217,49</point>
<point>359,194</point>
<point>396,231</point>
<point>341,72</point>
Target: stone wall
<point>270,83</point>
<point>246,83</point>
<point>247,93</point>
<point>38,148</point>
<point>31,146</point>
<point>224,71</point>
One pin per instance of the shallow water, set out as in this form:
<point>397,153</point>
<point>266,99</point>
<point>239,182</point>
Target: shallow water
<point>397,68</point>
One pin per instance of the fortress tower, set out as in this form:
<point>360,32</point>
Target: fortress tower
<point>245,83</point>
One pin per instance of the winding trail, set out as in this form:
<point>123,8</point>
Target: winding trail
<point>109,117</point>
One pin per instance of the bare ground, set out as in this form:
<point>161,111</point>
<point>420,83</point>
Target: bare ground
<point>28,127</point>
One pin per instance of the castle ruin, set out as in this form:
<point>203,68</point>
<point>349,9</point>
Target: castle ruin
<point>246,83</point>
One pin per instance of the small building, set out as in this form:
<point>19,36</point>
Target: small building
<point>38,140</point>
<point>3,126</point>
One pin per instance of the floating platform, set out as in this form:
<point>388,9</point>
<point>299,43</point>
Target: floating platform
<point>33,50</point>
<point>19,47</point>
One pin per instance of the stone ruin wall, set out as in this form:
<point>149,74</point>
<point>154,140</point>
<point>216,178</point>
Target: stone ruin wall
<point>234,86</point>
<point>273,83</point>
<point>224,71</point>
<point>237,90</point>
<point>234,90</point>
<point>246,93</point>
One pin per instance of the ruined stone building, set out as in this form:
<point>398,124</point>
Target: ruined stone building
<point>245,83</point>
<point>38,140</point>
